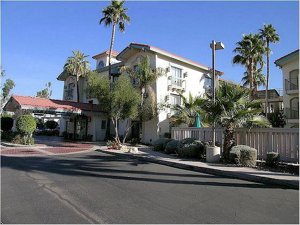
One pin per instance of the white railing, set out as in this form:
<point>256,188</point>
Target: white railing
<point>285,141</point>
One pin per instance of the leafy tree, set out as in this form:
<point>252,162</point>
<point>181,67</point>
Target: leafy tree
<point>233,109</point>
<point>268,35</point>
<point>26,125</point>
<point>46,92</point>
<point>124,100</point>
<point>77,66</point>
<point>277,118</point>
<point>115,15</point>
<point>6,89</point>
<point>51,124</point>
<point>258,78</point>
<point>249,53</point>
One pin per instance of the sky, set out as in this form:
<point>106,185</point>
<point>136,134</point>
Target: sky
<point>37,37</point>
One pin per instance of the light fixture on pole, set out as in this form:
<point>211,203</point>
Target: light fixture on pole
<point>213,152</point>
<point>214,46</point>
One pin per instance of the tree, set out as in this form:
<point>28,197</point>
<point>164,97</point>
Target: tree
<point>77,66</point>
<point>259,79</point>
<point>26,125</point>
<point>124,100</point>
<point>115,15</point>
<point>277,118</point>
<point>46,92</point>
<point>187,112</point>
<point>143,76</point>
<point>6,89</point>
<point>233,109</point>
<point>250,52</point>
<point>268,35</point>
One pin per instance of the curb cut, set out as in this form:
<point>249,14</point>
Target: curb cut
<point>230,174</point>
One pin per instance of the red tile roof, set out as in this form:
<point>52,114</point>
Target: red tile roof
<point>113,53</point>
<point>50,104</point>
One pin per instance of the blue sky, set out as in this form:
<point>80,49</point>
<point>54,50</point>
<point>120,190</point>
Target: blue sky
<point>37,37</point>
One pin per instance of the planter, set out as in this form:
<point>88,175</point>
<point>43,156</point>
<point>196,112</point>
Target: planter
<point>213,154</point>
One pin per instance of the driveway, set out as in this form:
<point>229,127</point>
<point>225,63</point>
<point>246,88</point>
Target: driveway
<point>96,187</point>
<point>48,145</point>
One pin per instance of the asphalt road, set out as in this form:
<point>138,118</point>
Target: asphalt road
<point>102,188</point>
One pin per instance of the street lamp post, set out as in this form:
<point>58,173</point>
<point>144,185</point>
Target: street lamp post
<point>214,46</point>
<point>213,152</point>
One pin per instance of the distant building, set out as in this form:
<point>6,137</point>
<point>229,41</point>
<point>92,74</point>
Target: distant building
<point>275,99</point>
<point>289,65</point>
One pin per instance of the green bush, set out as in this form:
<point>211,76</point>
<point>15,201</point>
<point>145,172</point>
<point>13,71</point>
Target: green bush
<point>272,159</point>
<point>235,154</point>
<point>172,146</point>
<point>39,123</point>
<point>187,141</point>
<point>248,157</point>
<point>51,124</point>
<point>26,124</point>
<point>7,135</point>
<point>195,149</point>
<point>6,123</point>
<point>160,144</point>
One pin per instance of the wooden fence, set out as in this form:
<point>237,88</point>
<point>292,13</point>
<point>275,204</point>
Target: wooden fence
<point>285,141</point>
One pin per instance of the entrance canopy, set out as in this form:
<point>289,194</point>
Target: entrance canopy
<point>36,104</point>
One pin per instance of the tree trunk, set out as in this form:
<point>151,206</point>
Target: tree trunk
<point>228,140</point>
<point>251,80</point>
<point>77,88</point>
<point>107,133</point>
<point>267,81</point>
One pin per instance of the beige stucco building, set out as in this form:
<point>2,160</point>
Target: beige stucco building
<point>181,75</point>
<point>289,65</point>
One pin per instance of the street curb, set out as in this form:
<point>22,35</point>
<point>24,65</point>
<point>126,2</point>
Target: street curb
<point>242,176</point>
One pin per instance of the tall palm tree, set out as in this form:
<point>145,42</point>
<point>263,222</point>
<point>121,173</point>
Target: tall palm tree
<point>77,66</point>
<point>259,79</point>
<point>233,109</point>
<point>115,15</point>
<point>250,52</point>
<point>268,35</point>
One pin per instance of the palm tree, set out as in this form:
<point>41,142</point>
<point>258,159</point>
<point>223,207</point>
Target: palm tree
<point>187,111</point>
<point>143,76</point>
<point>115,15</point>
<point>250,52</point>
<point>233,109</point>
<point>77,66</point>
<point>268,35</point>
<point>259,79</point>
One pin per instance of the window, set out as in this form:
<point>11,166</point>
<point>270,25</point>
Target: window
<point>175,99</point>
<point>294,78</point>
<point>103,124</point>
<point>100,64</point>
<point>176,74</point>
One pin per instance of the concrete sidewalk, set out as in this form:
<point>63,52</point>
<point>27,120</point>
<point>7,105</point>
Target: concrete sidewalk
<point>245,173</point>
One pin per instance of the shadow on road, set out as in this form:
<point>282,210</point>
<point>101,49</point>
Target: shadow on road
<point>108,166</point>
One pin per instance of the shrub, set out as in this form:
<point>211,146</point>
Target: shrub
<point>6,123</point>
<point>160,144</point>
<point>172,146</point>
<point>39,123</point>
<point>134,141</point>
<point>272,159</point>
<point>26,124</point>
<point>23,140</point>
<point>7,135</point>
<point>235,155</point>
<point>248,157</point>
<point>187,141</point>
<point>51,124</point>
<point>196,149</point>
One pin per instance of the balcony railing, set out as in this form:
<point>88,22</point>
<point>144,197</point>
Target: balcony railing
<point>292,113</point>
<point>291,84</point>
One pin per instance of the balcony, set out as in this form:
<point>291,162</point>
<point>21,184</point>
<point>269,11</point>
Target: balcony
<point>292,113</point>
<point>176,83</point>
<point>291,86</point>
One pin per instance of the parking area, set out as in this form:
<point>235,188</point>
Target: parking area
<point>48,145</point>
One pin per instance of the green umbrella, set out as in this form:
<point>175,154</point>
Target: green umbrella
<point>197,121</point>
